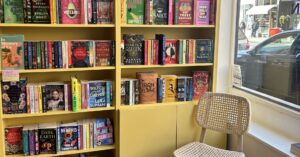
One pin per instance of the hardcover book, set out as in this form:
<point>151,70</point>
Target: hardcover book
<point>184,12</point>
<point>160,11</point>
<point>53,97</point>
<point>161,48</point>
<point>40,11</point>
<point>202,12</point>
<point>14,97</point>
<point>47,140</point>
<point>68,137</point>
<point>148,87</point>
<point>103,53</point>
<point>170,88</point>
<point>13,140</point>
<point>105,11</point>
<point>135,11</point>
<point>181,92</point>
<point>12,52</point>
<point>1,12</point>
<point>171,52</point>
<point>79,54</point>
<point>13,11</point>
<point>104,132</point>
<point>212,14</point>
<point>200,83</point>
<point>133,49</point>
<point>148,11</point>
<point>96,94</point>
<point>204,51</point>
<point>71,11</point>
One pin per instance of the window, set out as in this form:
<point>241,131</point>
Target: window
<point>268,48</point>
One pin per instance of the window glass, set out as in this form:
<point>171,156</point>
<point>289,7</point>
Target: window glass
<point>268,47</point>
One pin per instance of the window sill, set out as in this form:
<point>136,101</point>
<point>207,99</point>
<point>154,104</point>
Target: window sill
<point>271,138</point>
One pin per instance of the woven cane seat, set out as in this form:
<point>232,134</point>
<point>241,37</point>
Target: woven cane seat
<point>197,149</point>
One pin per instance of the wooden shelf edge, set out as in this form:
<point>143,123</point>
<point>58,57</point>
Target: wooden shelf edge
<point>139,106</point>
<point>166,66</point>
<point>166,26</point>
<point>28,115</point>
<point>59,25</point>
<point>66,70</point>
<point>99,148</point>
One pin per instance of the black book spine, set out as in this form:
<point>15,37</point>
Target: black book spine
<point>127,92</point>
<point>56,55</point>
<point>29,54</point>
<point>44,101</point>
<point>94,11</point>
<point>59,11</point>
<point>136,93</point>
<point>46,55</point>
<point>37,149</point>
<point>53,54</point>
<point>34,55</point>
<point>29,10</point>
<point>25,11</point>
<point>60,57</point>
<point>113,53</point>
<point>1,12</point>
<point>43,54</point>
<point>161,48</point>
<point>26,65</point>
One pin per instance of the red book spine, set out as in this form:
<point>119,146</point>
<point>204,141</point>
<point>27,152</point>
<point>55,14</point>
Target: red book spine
<point>36,99</point>
<point>69,53</point>
<point>171,12</point>
<point>145,52</point>
<point>69,98</point>
<point>85,92</point>
<point>191,47</point>
<point>156,51</point>
<point>49,45</point>
<point>82,18</point>
<point>81,137</point>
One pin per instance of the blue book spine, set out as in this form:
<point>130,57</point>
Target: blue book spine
<point>79,136</point>
<point>180,52</point>
<point>189,96</point>
<point>60,61</point>
<point>58,143</point>
<point>25,142</point>
<point>160,83</point>
<point>108,87</point>
<point>94,135</point>
<point>90,105</point>
<point>29,55</point>
<point>181,88</point>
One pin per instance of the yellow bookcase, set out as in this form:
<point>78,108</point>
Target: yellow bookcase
<point>140,130</point>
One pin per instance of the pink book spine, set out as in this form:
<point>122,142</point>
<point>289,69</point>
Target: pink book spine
<point>202,12</point>
<point>145,52</point>
<point>71,16</point>
<point>89,11</point>
<point>171,12</point>
<point>36,99</point>
<point>82,18</point>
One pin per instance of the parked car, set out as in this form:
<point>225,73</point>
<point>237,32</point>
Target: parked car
<point>243,42</point>
<point>273,66</point>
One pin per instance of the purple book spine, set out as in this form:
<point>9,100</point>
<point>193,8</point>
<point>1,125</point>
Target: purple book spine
<point>202,12</point>
<point>36,135</point>
<point>171,12</point>
<point>147,11</point>
<point>31,142</point>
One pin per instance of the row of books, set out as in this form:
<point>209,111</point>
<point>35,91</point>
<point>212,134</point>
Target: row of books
<point>20,97</point>
<point>137,51</point>
<point>52,138</point>
<point>186,12</point>
<point>149,88</point>
<point>57,11</point>
<point>17,54</point>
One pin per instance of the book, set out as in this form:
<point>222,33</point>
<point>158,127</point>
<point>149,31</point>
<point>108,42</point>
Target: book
<point>171,52</point>
<point>96,94</point>
<point>200,84</point>
<point>212,14</point>
<point>40,11</point>
<point>135,11</point>
<point>103,132</point>
<point>295,149</point>
<point>13,11</point>
<point>170,93</point>
<point>204,51</point>
<point>47,138</point>
<point>171,12</point>
<point>1,12</point>
<point>147,87</point>
<point>181,83</point>
<point>133,49</point>
<point>14,97</point>
<point>12,52</point>
<point>184,12</point>
<point>79,54</point>
<point>68,136</point>
<point>103,53</point>
<point>53,97</point>
<point>105,11</point>
<point>71,11</point>
<point>160,11</point>
<point>13,140</point>
<point>201,12</point>
<point>161,48</point>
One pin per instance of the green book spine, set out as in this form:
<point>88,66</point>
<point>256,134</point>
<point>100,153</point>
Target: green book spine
<point>13,11</point>
<point>135,11</point>
<point>75,106</point>
<point>38,51</point>
<point>180,52</point>
<point>176,12</point>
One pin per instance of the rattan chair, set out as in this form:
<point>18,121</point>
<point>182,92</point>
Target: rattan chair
<point>219,112</point>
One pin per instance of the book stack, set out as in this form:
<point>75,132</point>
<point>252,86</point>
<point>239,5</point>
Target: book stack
<point>57,11</point>
<point>137,51</point>
<point>51,138</point>
<point>20,97</point>
<point>17,54</point>
<point>148,88</point>
<point>163,12</point>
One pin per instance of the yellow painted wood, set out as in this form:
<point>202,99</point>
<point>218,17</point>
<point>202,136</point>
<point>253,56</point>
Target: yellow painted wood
<point>167,26</point>
<point>189,131</point>
<point>166,66</point>
<point>56,25</point>
<point>145,106</point>
<point>149,132</point>
<point>65,70</point>
<point>100,148</point>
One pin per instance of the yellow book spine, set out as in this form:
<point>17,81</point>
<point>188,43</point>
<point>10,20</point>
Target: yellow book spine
<point>74,82</point>
<point>54,11</point>
<point>170,88</point>
<point>149,52</point>
<point>123,12</point>
<point>87,135</point>
<point>40,98</point>
<point>79,97</point>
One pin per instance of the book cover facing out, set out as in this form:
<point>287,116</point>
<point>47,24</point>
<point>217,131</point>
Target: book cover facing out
<point>69,138</point>
<point>13,11</point>
<point>148,87</point>
<point>103,53</point>
<point>47,141</point>
<point>171,52</point>
<point>53,97</point>
<point>96,94</point>
<point>80,54</point>
<point>135,11</point>
<point>13,141</point>
<point>40,11</point>
<point>200,83</point>
<point>160,11</point>
<point>105,11</point>
<point>204,51</point>
<point>71,11</point>
<point>134,49</point>
<point>202,10</point>
<point>184,12</point>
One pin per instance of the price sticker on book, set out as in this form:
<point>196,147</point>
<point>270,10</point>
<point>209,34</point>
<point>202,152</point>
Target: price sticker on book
<point>10,75</point>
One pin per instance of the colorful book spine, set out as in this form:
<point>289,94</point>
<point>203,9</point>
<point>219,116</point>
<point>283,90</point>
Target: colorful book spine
<point>75,105</point>
<point>171,12</point>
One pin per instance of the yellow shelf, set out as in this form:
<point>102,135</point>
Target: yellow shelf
<point>66,70</point>
<point>26,115</point>
<point>57,25</point>
<point>166,26</point>
<point>165,66</point>
<point>99,148</point>
<point>158,104</point>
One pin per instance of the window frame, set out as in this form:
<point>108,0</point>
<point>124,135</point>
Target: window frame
<point>235,29</point>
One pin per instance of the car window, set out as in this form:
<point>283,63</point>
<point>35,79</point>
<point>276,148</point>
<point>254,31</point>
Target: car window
<point>278,45</point>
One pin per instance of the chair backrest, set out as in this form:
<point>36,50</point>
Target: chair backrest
<point>224,112</point>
